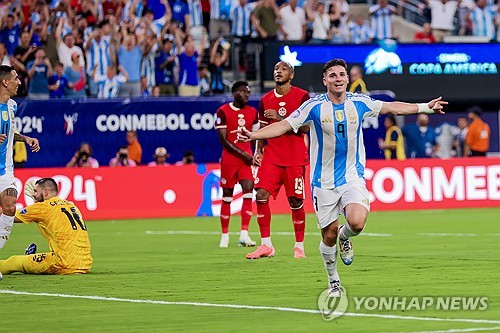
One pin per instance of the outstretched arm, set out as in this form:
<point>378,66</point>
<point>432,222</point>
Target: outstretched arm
<point>268,132</point>
<point>401,108</point>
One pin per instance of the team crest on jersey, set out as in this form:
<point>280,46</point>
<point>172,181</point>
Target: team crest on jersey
<point>5,115</point>
<point>339,115</point>
<point>282,111</point>
<point>241,120</point>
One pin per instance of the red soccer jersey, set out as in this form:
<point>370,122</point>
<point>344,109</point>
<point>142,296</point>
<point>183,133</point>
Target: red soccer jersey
<point>230,118</point>
<point>288,149</point>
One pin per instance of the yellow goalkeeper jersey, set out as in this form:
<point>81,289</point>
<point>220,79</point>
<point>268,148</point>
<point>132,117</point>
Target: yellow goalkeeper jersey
<point>61,223</point>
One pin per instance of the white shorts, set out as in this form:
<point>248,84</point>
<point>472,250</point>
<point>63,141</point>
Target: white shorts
<point>330,202</point>
<point>7,181</point>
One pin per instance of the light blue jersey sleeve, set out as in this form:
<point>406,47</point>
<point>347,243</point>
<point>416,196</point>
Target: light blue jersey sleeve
<point>365,105</point>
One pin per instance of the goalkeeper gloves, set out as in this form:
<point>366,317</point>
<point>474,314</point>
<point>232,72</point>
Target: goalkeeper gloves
<point>29,189</point>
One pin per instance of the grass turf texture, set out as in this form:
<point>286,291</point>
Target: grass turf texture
<point>129,263</point>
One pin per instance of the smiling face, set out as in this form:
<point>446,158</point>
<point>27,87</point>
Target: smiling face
<point>335,79</point>
<point>283,73</point>
<point>12,83</point>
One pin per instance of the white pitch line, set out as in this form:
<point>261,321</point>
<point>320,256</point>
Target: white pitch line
<point>477,329</point>
<point>249,307</point>
<point>278,233</point>
<point>447,234</point>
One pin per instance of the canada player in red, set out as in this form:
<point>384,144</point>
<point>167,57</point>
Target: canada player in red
<point>282,161</point>
<point>236,160</point>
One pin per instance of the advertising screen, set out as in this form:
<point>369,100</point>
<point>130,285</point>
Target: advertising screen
<point>411,71</point>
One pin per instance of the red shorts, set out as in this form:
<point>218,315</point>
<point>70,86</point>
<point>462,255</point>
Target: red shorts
<point>271,177</point>
<point>232,174</point>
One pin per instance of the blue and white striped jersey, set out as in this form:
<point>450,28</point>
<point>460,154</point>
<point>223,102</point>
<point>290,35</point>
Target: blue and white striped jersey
<point>381,21</point>
<point>337,151</point>
<point>8,112</point>
<point>241,20</point>
<point>483,22</point>
<point>195,13</point>
<point>98,54</point>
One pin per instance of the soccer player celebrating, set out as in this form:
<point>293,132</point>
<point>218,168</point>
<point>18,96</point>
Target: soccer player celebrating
<point>236,161</point>
<point>9,83</point>
<point>338,158</point>
<point>61,223</point>
<point>282,161</point>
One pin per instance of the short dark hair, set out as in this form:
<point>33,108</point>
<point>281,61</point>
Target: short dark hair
<point>391,118</point>
<point>5,72</point>
<point>238,84</point>
<point>334,62</point>
<point>188,153</point>
<point>124,147</point>
<point>476,110</point>
<point>48,183</point>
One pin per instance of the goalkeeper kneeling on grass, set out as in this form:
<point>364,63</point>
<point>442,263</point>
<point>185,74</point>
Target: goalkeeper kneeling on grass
<point>61,223</point>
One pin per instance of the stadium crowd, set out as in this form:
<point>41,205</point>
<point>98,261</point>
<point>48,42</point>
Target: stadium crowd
<point>130,48</point>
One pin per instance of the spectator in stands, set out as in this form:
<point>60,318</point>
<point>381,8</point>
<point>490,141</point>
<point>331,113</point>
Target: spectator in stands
<point>160,157</point>
<point>129,56</point>
<point>58,82</point>
<point>196,28</point>
<point>381,20</point>
<point>356,78</point>
<point>205,80</point>
<point>66,46</point>
<point>359,30</point>
<point>148,80</point>
<point>320,19</point>
<point>477,140</point>
<point>443,14</point>
<point>11,30</point>
<point>205,10</point>
<point>134,147</point>
<point>122,159</point>
<point>189,60</point>
<point>293,22</point>
<point>39,71</point>
<point>393,145</point>
<point>220,14</point>
<point>463,126</point>
<point>97,49</point>
<point>83,158</point>
<point>164,66</point>
<point>420,138</point>
<point>180,14</point>
<point>241,31</point>
<point>217,60</point>
<point>9,60</point>
<point>188,158</point>
<point>424,35</point>
<point>25,52</point>
<point>109,84</point>
<point>76,76</point>
<point>145,90</point>
<point>156,92</point>
<point>264,19</point>
<point>482,18</point>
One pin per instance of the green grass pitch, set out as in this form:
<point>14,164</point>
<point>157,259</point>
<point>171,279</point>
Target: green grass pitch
<point>152,260</point>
